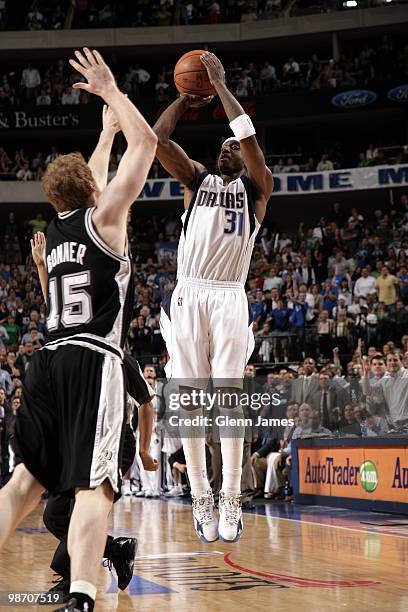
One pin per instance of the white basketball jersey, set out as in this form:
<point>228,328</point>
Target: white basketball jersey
<point>219,230</point>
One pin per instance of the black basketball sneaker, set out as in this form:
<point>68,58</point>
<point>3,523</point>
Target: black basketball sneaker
<point>61,585</point>
<point>71,606</point>
<point>122,553</point>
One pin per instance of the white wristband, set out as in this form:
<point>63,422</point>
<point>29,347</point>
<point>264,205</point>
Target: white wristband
<point>242,127</point>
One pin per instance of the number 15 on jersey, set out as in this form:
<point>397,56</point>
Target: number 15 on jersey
<point>76,306</point>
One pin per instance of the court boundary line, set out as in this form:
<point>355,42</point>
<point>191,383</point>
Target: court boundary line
<point>282,518</point>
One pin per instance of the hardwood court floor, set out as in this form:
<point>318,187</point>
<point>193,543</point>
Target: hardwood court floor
<point>305,560</point>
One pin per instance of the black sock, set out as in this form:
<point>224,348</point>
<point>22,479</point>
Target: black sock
<point>84,602</point>
<point>108,545</point>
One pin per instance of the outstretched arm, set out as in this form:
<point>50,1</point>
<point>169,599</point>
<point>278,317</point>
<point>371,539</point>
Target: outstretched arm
<point>254,159</point>
<point>99,160</point>
<point>114,202</point>
<point>38,255</point>
<point>146,420</point>
<point>172,157</point>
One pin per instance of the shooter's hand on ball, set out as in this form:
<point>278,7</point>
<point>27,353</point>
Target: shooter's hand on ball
<point>215,69</point>
<point>92,66</point>
<point>149,464</point>
<point>198,101</point>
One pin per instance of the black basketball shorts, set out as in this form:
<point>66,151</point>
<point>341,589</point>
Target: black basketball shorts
<point>70,427</point>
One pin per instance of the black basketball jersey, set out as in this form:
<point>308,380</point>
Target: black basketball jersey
<point>90,287</point>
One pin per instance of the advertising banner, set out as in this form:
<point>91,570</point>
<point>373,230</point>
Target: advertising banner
<point>352,179</point>
<point>279,104</point>
<point>302,183</point>
<point>376,473</point>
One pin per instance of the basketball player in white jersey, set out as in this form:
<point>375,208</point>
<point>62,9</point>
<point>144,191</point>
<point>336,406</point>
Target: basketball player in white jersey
<point>205,323</point>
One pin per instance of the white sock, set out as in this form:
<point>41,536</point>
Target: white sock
<point>86,588</point>
<point>193,440</point>
<point>231,451</point>
<point>232,444</point>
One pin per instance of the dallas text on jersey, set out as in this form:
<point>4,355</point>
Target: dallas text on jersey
<point>224,199</point>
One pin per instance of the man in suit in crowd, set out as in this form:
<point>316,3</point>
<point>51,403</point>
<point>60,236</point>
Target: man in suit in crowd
<point>327,401</point>
<point>306,385</point>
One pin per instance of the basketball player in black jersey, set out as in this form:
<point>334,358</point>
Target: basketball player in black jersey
<point>70,427</point>
<point>119,552</point>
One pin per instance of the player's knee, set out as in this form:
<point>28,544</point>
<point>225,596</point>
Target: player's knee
<point>228,398</point>
<point>24,483</point>
<point>101,496</point>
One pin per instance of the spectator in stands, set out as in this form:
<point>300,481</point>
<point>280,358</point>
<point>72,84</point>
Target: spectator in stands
<point>310,165</point>
<point>12,330</point>
<point>315,426</point>
<point>291,71</point>
<point>403,283</point>
<point>140,338</point>
<point>51,156</point>
<point>30,81</point>
<point>366,63</point>
<point>213,12</point>
<point>38,223</point>
<point>387,289</point>
<point>268,478</point>
<point>306,384</point>
<point>328,401</point>
<point>325,329</point>
<point>24,174</point>
<point>324,164</point>
<point>365,285</point>
<point>290,166</point>
<point>392,389</point>
<point>34,18</point>
<point>70,96</point>
<point>314,72</point>
<point>249,12</point>
<point>267,77</point>
<point>6,382</point>
<point>279,166</point>
<point>43,99</point>
<point>139,77</point>
<point>161,89</point>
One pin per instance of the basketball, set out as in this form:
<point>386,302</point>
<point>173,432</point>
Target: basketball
<point>190,75</point>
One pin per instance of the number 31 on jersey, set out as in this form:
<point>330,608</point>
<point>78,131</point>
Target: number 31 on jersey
<point>234,222</point>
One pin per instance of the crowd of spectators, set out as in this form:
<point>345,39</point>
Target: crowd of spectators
<point>51,85</point>
<point>23,166</point>
<point>330,309</point>
<point>40,15</point>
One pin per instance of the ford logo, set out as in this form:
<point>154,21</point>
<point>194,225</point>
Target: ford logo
<point>354,98</point>
<point>398,94</point>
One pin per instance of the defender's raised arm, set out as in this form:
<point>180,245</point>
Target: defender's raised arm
<point>99,160</point>
<point>119,195</point>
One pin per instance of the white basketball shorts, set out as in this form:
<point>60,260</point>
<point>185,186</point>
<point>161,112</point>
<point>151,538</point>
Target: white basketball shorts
<point>208,332</point>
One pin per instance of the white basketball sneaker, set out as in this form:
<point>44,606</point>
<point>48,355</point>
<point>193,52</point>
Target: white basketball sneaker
<point>126,488</point>
<point>230,525</point>
<point>205,523</point>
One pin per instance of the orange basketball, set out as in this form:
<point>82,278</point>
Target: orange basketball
<point>190,75</point>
